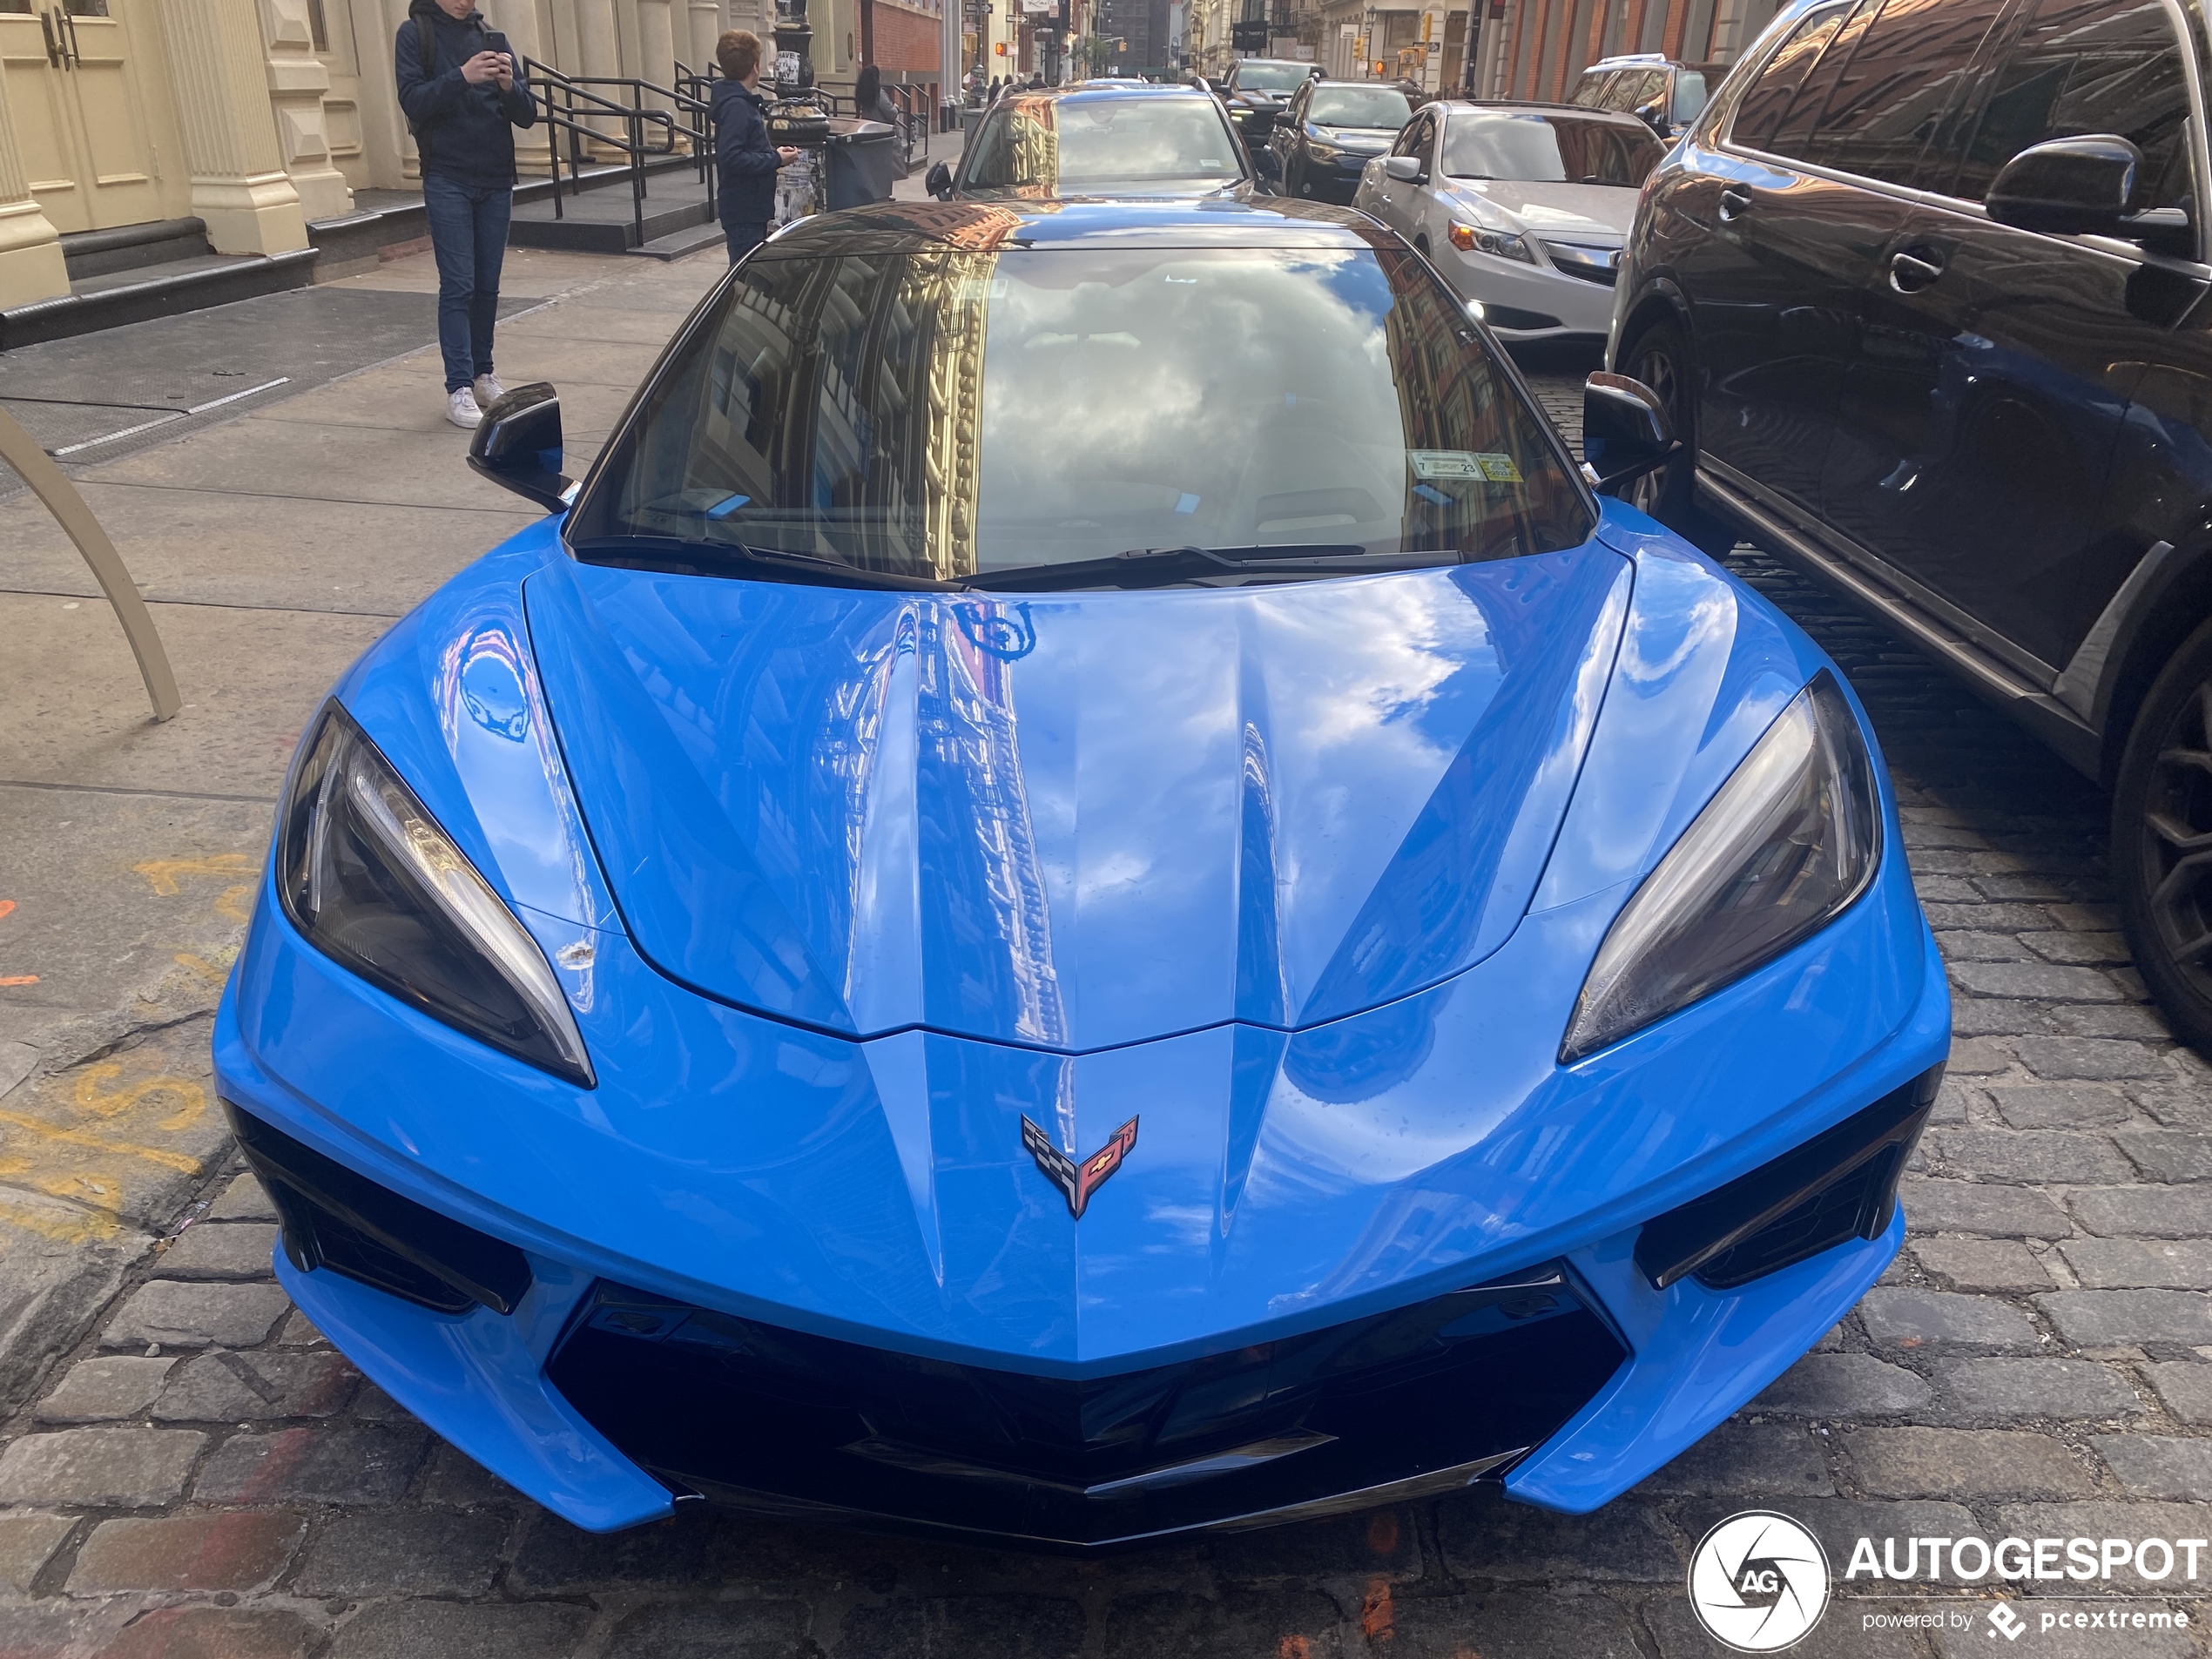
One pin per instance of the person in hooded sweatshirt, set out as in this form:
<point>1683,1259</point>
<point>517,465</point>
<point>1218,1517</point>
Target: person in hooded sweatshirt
<point>463,93</point>
<point>747,162</point>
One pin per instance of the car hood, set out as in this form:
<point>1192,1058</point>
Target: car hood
<point>1075,821</point>
<point>1593,213</point>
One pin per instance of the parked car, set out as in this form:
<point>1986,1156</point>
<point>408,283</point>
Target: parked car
<point>1522,206</point>
<point>1257,90</point>
<point>1328,133</point>
<point>950,786</point>
<point>1664,95</point>
<point>1093,140</point>
<point>1923,290</point>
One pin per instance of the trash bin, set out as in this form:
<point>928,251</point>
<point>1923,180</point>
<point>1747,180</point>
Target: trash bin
<point>860,158</point>
<point>970,119</point>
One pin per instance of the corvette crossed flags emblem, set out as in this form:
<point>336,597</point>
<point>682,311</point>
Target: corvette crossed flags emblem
<point>1078,1179</point>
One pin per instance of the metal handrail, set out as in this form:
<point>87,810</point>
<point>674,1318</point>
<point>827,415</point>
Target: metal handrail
<point>546,82</point>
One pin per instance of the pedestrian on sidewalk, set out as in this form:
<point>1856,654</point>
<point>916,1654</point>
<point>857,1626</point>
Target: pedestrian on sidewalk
<point>747,162</point>
<point>464,93</point>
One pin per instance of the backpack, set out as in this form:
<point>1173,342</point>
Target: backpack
<point>420,14</point>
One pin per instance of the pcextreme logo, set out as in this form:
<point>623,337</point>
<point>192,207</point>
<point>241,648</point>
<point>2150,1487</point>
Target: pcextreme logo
<point>1758,1582</point>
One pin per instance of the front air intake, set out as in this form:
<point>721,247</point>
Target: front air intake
<point>337,1219</point>
<point>1840,1184</point>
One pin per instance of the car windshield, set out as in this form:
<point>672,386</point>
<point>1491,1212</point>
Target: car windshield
<point>1689,96</point>
<point>1548,148</point>
<point>1359,106</point>
<point>1255,76</point>
<point>1043,146</point>
<point>948,415</point>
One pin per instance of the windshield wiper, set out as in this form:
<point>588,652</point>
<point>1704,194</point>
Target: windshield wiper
<point>1150,567</point>
<point>678,556</point>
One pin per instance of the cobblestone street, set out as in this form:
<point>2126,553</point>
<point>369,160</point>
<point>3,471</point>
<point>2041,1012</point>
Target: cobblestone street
<point>196,1472</point>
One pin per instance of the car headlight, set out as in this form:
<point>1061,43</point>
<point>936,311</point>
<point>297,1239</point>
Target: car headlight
<point>1320,152</point>
<point>1504,244</point>
<point>373,882</point>
<point>1792,838</point>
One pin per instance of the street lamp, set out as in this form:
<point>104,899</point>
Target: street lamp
<point>1366,45</point>
<point>795,41</point>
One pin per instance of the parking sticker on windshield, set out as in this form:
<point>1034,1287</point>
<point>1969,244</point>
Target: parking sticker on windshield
<point>1473,466</point>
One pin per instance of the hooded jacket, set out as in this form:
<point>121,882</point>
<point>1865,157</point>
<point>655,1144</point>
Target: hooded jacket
<point>745,159</point>
<point>463,132</point>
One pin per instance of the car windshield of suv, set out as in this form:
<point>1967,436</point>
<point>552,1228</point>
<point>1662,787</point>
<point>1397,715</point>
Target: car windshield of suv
<point>1548,149</point>
<point>1254,76</point>
<point>1359,106</point>
<point>1042,146</point>
<point>948,415</point>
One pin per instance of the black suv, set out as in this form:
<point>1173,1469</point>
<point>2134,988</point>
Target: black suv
<point>1923,289</point>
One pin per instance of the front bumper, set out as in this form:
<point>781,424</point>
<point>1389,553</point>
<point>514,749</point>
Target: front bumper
<point>1528,302</point>
<point>611,1218</point>
<point>1336,180</point>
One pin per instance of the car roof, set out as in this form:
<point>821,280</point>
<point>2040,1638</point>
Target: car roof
<point>981,226</point>
<point>1274,63</point>
<point>1092,90</point>
<point>1580,112</point>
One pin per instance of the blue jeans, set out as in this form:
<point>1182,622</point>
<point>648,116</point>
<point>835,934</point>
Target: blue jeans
<point>743,239</point>
<point>468,236</point>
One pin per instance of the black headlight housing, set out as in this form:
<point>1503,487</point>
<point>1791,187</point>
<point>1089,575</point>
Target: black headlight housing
<point>368,877</point>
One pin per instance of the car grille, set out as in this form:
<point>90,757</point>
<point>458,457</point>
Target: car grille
<point>1420,1399</point>
<point>1599,265</point>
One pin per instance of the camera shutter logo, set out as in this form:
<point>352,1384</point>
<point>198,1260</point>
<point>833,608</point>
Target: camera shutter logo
<point>1758,1582</point>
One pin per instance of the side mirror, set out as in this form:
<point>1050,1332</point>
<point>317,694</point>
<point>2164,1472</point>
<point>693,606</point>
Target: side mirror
<point>1625,429</point>
<point>1653,114</point>
<point>939,181</point>
<point>1406,169</point>
<point>2068,186</point>
<point>519,444</point>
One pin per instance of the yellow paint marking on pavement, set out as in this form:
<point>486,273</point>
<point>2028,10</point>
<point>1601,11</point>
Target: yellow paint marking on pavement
<point>192,1099</point>
<point>176,1161</point>
<point>200,965</point>
<point>81,1227</point>
<point>164,873</point>
<point>233,904</point>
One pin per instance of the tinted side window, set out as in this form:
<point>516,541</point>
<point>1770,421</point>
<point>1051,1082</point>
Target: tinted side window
<point>1589,92</point>
<point>2084,66</point>
<point>1765,104</point>
<point>1414,140</point>
<point>1900,76</point>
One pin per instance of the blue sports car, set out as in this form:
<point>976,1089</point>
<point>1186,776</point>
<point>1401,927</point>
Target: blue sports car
<point>1085,890</point>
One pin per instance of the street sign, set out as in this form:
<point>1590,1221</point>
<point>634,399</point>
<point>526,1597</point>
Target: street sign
<point>1249,36</point>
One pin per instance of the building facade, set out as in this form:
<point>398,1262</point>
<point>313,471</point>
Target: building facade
<point>261,116</point>
<point>1516,49</point>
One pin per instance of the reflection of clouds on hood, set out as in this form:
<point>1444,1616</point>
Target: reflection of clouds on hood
<point>1390,647</point>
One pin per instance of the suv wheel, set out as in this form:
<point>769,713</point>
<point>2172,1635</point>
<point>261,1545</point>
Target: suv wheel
<point>2161,841</point>
<point>1660,358</point>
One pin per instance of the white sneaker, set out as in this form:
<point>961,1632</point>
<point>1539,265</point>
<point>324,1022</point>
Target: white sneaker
<point>489,390</point>
<point>462,410</point>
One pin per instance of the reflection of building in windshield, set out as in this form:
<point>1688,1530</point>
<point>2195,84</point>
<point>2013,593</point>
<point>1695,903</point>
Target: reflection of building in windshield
<point>953,291</point>
<point>1033,146</point>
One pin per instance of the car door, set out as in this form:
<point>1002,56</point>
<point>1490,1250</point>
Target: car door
<point>1287,141</point>
<point>1993,367</point>
<point>1772,267</point>
<point>1401,198</point>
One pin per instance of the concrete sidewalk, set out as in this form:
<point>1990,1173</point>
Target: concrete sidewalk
<point>274,546</point>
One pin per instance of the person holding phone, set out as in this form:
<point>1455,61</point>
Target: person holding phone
<point>463,92</point>
<point>746,185</point>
